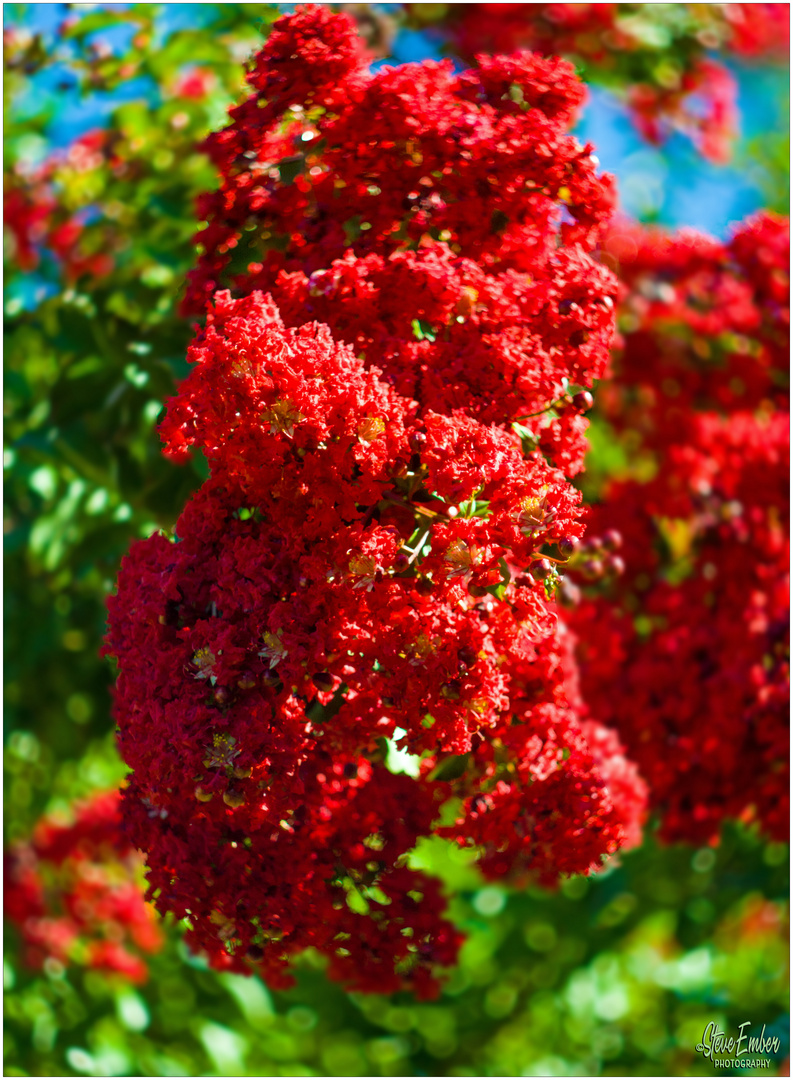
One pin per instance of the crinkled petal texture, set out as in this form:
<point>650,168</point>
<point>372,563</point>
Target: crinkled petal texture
<point>440,223</point>
<point>319,601</point>
<point>354,575</point>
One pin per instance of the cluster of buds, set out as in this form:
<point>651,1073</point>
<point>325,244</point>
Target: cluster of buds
<point>596,557</point>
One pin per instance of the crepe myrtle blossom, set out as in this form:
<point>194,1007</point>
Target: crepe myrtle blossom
<point>391,406</point>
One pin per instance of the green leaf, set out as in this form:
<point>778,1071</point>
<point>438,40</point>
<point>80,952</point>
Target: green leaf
<point>451,768</point>
<point>423,331</point>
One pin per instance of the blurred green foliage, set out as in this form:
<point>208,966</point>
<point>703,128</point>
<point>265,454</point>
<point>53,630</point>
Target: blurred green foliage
<point>615,974</point>
<point>90,362</point>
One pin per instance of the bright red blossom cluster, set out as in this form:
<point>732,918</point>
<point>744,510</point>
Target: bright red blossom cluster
<point>687,656</point>
<point>390,428</point>
<point>473,164</point>
<point>74,891</point>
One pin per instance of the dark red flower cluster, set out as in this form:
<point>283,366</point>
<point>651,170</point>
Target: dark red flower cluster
<point>74,891</point>
<point>369,567</point>
<point>658,57</point>
<point>686,655</point>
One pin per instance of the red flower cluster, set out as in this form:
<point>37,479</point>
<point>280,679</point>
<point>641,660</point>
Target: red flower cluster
<point>369,565</point>
<point>75,892</point>
<point>758,29</point>
<point>700,104</point>
<point>660,60</point>
<point>39,222</point>
<point>327,159</point>
<point>26,214</point>
<point>687,655</point>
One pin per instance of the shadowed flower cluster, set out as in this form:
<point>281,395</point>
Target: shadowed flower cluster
<point>687,654</point>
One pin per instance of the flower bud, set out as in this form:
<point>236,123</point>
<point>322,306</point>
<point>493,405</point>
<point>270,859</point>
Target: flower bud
<point>467,656</point>
<point>233,798</point>
<point>611,540</point>
<point>568,594</point>
<point>615,565</point>
<point>592,569</point>
<point>323,681</point>
<point>540,569</point>
<point>567,546</point>
<point>583,400</point>
<point>417,440</point>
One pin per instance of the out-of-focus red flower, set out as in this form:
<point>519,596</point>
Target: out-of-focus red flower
<point>195,84</point>
<point>758,29</point>
<point>26,213</point>
<point>687,653</point>
<point>76,893</point>
<point>39,221</point>
<point>702,107</point>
